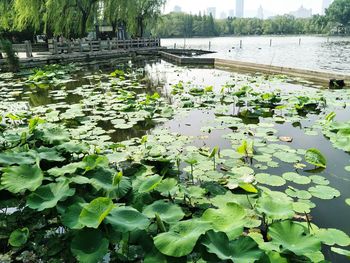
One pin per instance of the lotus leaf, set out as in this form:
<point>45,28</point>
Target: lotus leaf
<point>296,178</point>
<point>292,237</point>
<point>221,219</point>
<point>332,237</point>
<point>127,219</point>
<point>319,180</point>
<point>315,157</point>
<point>324,192</point>
<point>341,251</point>
<point>19,237</point>
<point>268,179</point>
<point>181,238</point>
<point>242,250</point>
<point>47,196</point>
<point>275,205</point>
<point>300,194</point>
<point>16,179</point>
<point>287,157</point>
<point>95,212</point>
<point>89,245</point>
<point>150,183</point>
<point>70,218</point>
<point>168,212</point>
<point>347,201</point>
<point>10,158</point>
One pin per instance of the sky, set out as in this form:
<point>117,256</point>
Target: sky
<point>271,7</point>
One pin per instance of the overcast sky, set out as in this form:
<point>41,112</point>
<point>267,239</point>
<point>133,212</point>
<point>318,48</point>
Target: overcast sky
<point>251,6</point>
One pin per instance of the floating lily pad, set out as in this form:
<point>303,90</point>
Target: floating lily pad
<point>296,178</point>
<point>333,236</point>
<point>319,180</point>
<point>268,179</point>
<point>324,192</point>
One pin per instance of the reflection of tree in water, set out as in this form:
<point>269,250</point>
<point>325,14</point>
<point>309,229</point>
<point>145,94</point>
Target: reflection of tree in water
<point>40,97</point>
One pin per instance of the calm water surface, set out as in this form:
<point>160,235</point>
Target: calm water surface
<point>317,53</point>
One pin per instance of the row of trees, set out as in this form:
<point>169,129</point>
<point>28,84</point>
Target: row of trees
<point>186,25</point>
<point>73,18</point>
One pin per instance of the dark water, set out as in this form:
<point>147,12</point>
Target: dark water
<point>161,75</point>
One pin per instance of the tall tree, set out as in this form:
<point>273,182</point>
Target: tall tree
<point>116,12</point>
<point>339,11</point>
<point>141,12</point>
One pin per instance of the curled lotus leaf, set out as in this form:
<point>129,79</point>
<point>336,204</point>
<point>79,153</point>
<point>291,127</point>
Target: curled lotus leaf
<point>19,237</point>
<point>95,212</point>
<point>341,251</point>
<point>290,236</point>
<point>47,196</point>
<point>127,219</point>
<point>182,237</point>
<point>241,250</point>
<point>315,157</point>
<point>16,179</point>
<point>89,245</point>
<point>168,212</point>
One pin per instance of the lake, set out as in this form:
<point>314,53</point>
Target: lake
<point>316,53</point>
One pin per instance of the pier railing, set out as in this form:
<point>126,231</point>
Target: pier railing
<point>68,46</point>
<point>26,47</point>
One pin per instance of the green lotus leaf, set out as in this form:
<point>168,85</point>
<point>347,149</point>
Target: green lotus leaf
<point>150,183</point>
<point>67,169</point>
<point>296,178</point>
<point>292,237</point>
<point>16,179</point>
<point>300,194</point>
<point>47,196</point>
<point>102,178</point>
<point>221,219</point>
<point>70,218</point>
<point>10,158</point>
<point>181,238</point>
<point>315,157</point>
<point>332,237</point>
<point>275,205</point>
<point>89,246</point>
<point>287,157</point>
<point>155,256</point>
<point>127,219</point>
<point>324,192</point>
<point>93,161</point>
<point>54,134</point>
<point>168,186</point>
<point>19,237</point>
<point>95,212</point>
<point>268,179</point>
<point>347,201</point>
<point>49,154</point>
<point>242,250</point>
<point>73,147</point>
<point>168,212</point>
<point>319,180</point>
<point>301,207</point>
<point>341,251</point>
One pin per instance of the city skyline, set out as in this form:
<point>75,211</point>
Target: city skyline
<point>270,7</point>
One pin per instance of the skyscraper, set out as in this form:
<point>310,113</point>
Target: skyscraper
<point>260,14</point>
<point>212,11</point>
<point>325,5</point>
<point>177,9</point>
<point>239,8</point>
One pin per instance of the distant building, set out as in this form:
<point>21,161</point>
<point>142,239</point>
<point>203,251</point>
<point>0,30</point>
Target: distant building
<point>260,14</point>
<point>231,13</point>
<point>302,13</point>
<point>212,11</point>
<point>177,9</point>
<point>223,15</point>
<point>325,5</point>
<point>239,8</point>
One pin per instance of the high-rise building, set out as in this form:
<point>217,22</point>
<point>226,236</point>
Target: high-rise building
<point>239,8</point>
<point>211,11</point>
<point>302,13</point>
<point>260,14</point>
<point>325,5</point>
<point>231,13</point>
<point>177,9</point>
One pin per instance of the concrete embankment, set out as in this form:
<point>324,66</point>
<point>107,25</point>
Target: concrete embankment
<point>247,67</point>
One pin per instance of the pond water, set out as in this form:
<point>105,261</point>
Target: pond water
<point>317,53</point>
<point>207,126</point>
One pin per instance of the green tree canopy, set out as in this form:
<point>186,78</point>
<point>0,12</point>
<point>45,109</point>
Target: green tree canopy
<point>339,11</point>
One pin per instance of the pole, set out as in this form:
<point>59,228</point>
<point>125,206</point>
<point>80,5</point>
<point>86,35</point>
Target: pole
<point>270,42</point>
<point>209,45</point>
<point>240,44</point>
<point>299,41</point>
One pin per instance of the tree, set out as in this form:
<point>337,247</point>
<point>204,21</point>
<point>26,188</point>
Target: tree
<point>115,12</point>
<point>141,12</point>
<point>339,11</point>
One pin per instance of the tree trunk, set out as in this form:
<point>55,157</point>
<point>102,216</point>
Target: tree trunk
<point>84,19</point>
